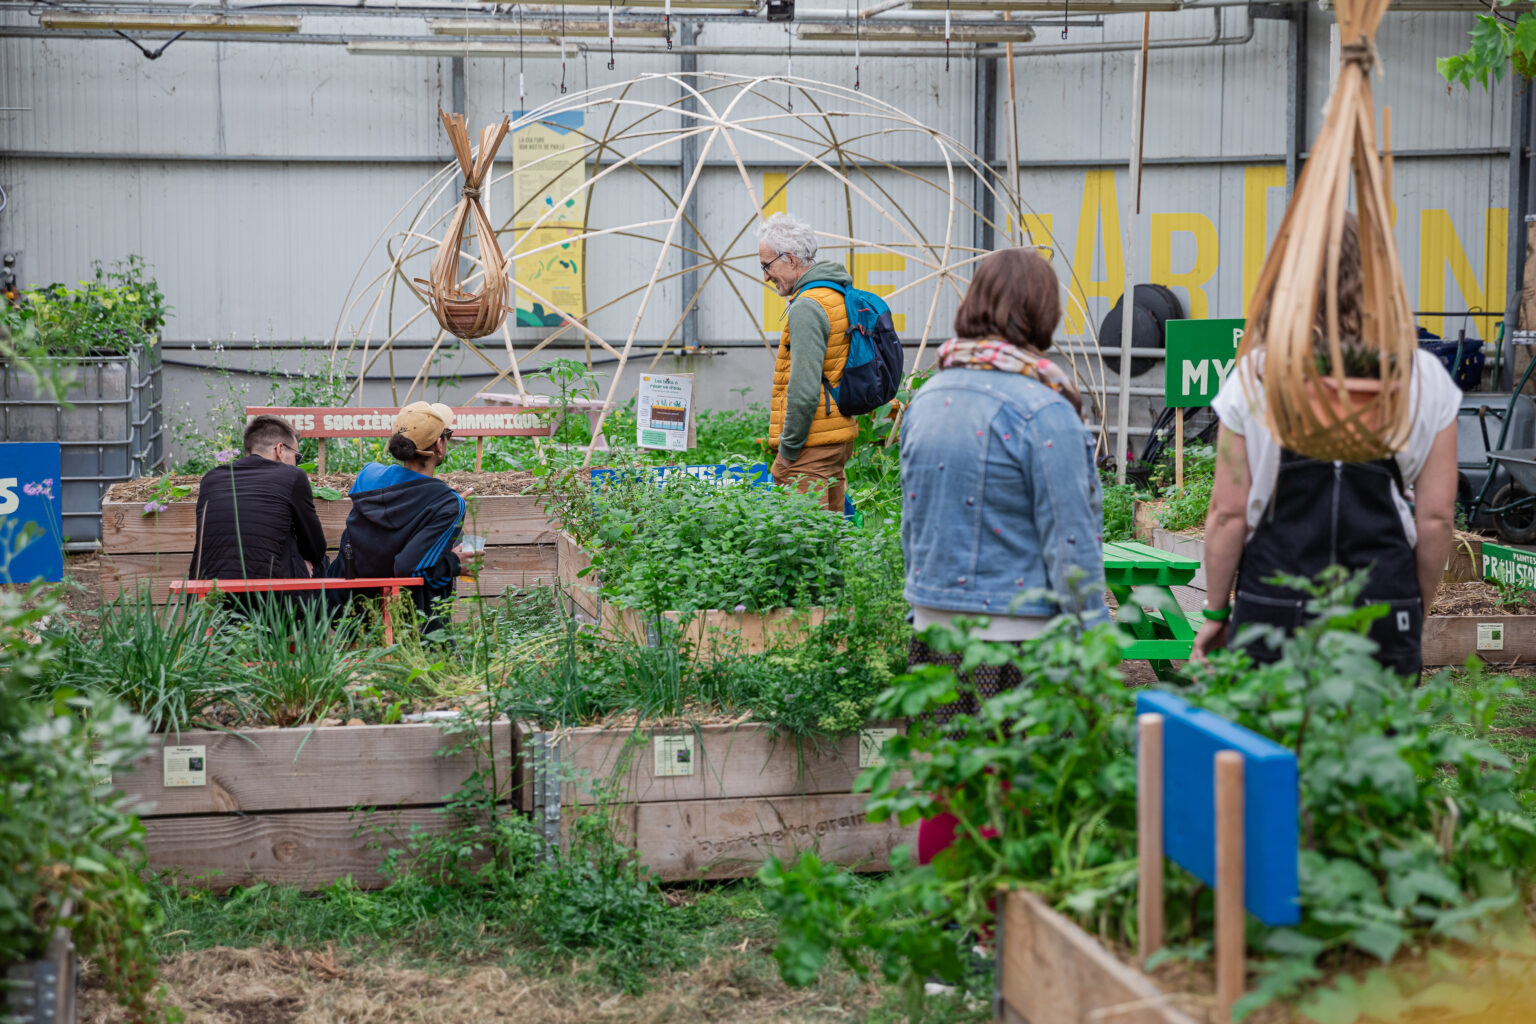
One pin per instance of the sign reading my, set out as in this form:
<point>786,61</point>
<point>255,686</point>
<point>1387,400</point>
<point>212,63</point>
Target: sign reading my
<point>1200,355</point>
<point>1509,565</point>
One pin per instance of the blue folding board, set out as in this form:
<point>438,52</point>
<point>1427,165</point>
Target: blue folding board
<point>1191,739</point>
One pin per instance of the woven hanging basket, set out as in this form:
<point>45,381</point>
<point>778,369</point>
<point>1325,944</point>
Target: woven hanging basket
<point>466,314</point>
<point>1313,406</point>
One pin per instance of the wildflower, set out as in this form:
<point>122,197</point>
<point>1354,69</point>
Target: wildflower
<point>31,490</point>
<point>227,455</point>
<point>152,506</point>
<point>740,608</point>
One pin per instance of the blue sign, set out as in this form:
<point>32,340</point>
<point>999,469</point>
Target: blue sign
<point>755,474</point>
<point>31,514</point>
<point>1191,739</point>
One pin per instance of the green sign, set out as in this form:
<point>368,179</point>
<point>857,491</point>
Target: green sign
<point>1200,355</point>
<point>1509,565</point>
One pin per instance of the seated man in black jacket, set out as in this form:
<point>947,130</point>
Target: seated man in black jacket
<point>404,521</point>
<point>256,516</point>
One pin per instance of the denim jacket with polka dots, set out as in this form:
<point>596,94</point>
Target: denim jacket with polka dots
<point>1000,499</point>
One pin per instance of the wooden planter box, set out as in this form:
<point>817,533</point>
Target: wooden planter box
<point>1050,971</point>
<point>276,805</point>
<point>713,632</point>
<point>1448,639</point>
<point>714,801</point>
<point>139,549</point>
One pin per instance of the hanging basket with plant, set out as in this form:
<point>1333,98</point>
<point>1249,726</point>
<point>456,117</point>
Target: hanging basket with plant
<point>463,313</point>
<point>1335,390</point>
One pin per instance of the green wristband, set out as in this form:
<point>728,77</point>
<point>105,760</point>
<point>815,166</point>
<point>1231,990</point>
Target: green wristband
<point>1217,614</point>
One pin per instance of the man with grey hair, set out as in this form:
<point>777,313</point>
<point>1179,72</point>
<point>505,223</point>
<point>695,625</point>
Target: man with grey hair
<point>813,439</point>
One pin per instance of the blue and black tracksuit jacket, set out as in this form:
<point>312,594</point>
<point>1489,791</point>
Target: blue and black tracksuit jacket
<point>403,524</point>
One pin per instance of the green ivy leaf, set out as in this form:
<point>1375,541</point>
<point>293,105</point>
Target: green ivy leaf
<point>329,494</point>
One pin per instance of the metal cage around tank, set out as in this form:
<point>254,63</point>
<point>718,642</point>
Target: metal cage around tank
<point>109,427</point>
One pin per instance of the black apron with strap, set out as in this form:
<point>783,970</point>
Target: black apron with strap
<point>1322,514</point>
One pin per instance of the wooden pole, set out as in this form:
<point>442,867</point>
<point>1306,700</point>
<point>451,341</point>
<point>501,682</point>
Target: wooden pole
<point>1128,299</point>
<point>1149,834</point>
<point>479,452</point>
<point>1013,145</point>
<point>1230,942</point>
<point>320,462</point>
<point>1178,450</point>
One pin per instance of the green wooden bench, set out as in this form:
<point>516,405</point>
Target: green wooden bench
<point>1166,633</point>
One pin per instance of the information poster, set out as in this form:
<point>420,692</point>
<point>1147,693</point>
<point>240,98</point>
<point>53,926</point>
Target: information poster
<point>31,514</point>
<point>1200,355</point>
<point>664,412</point>
<point>549,261</point>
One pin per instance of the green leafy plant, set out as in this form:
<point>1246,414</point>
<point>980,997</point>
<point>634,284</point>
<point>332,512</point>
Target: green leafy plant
<point>1499,40</point>
<point>73,851</point>
<point>1120,511</point>
<point>119,308</point>
<point>1186,509</point>
<point>1414,828</point>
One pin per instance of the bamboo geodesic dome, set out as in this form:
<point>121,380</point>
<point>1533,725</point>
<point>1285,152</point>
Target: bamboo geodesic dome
<point>897,187</point>
<point>1312,404</point>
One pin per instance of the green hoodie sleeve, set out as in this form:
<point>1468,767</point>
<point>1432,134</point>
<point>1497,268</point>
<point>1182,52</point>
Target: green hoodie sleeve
<point>809,329</point>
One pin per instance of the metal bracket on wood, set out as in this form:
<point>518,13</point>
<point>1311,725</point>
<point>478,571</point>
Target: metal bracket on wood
<point>546,788</point>
<point>34,992</point>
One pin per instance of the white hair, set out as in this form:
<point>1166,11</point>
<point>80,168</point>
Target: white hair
<point>787,234</point>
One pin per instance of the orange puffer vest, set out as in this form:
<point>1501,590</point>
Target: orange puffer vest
<point>830,426</point>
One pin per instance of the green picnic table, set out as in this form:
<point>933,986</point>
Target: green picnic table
<point>1165,633</point>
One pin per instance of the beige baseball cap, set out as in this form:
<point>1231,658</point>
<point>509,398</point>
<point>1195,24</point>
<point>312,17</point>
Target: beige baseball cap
<point>424,423</point>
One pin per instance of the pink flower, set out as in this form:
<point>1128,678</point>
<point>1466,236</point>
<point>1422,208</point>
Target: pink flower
<point>151,507</point>
<point>42,490</point>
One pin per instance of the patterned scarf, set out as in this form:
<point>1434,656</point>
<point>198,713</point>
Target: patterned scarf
<point>991,354</point>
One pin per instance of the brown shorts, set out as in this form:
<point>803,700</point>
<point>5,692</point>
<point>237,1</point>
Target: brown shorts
<point>821,467</point>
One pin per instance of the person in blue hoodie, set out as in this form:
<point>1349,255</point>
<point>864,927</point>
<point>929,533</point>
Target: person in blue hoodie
<point>404,521</point>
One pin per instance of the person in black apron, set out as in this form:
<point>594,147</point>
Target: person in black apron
<point>1333,513</point>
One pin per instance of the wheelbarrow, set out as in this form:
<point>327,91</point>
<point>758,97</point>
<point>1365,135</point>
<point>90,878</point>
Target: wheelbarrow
<point>1510,476</point>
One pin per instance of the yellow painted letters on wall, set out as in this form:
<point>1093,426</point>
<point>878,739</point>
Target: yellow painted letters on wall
<point>862,264</point>
<point>1207,253</point>
<point>773,202</point>
<point>1439,246</point>
<point>1100,207</point>
<point>1257,181</point>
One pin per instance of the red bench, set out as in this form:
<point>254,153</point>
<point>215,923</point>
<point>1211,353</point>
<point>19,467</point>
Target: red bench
<point>390,585</point>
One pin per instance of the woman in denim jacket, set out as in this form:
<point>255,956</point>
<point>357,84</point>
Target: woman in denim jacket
<point>1001,504</point>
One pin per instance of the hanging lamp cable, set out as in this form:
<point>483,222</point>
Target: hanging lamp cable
<point>610,35</point>
<point>666,22</point>
<point>522,92</point>
<point>1066,9</point>
<point>562,49</point>
<point>857,29</point>
<point>946,34</point>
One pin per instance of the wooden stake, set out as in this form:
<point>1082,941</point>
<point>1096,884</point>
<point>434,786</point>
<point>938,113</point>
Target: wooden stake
<point>1230,940</point>
<point>320,462</point>
<point>1149,835</point>
<point>1178,450</point>
<point>479,452</point>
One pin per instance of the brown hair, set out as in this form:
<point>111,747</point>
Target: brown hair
<point>403,448</point>
<point>1351,289</point>
<point>266,430</point>
<point>1014,296</point>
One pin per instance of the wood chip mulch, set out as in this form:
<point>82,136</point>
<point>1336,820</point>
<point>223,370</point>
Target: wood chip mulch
<point>1479,599</point>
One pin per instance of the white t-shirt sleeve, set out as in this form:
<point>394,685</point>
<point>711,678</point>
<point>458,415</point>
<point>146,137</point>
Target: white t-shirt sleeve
<point>1436,401</point>
<point>1241,410</point>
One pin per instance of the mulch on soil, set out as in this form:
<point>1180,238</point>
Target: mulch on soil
<point>518,482</point>
<point>1477,598</point>
<point>281,986</point>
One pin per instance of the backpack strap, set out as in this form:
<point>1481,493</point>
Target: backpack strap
<point>841,289</point>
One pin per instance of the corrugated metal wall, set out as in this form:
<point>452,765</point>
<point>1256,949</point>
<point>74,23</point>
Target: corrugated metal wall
<point>255,176</point>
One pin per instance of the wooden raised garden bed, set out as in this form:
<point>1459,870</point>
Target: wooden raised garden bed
<point>712,801</point>
<point>1050,971</point>
<point>1494,637</point>
<point>277,805</point>
<point>712,631</point>
<point>154,549</point>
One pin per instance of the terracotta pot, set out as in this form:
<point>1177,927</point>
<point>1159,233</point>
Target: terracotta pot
<point>1360,394</point>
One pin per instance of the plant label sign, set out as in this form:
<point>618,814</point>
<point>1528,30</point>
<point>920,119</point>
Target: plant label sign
<point>753,475</point>
<point>1509,565</point>
<point>673,756</point>
<point>185,766</point>
<point>1490,636</point>
<point>1271,816</point>
<point>31,513</point>
<point>1200,355</point>
<point>664,412</point>
<point>872,746</point>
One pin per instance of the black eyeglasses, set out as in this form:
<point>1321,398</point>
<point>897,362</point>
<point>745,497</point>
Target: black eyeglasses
<point>447,435</point>
<point>771,262</point>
